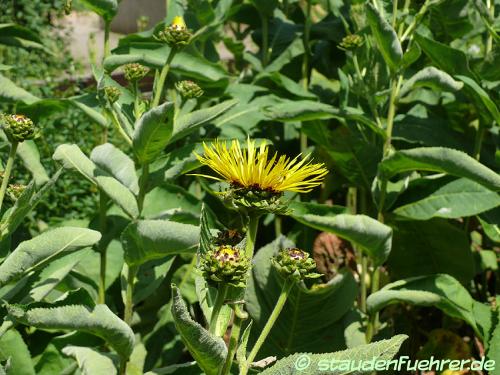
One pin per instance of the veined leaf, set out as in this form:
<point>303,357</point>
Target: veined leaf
<point>18,36</point>
<point>192,121</point>
<point>372,236</point>
<point>387,39</point>
<point>11,92</point>
<point>439,159</point>
<point>152,239</point>
<point>12,346</point>
<point>208,350</point>
<point>90,361</point>
<point>105,8</point>
<point>73,158</point>
<point>98,320</point>
<point>116,163</point>
<point>441,291</point>
<point>433,78</point>
<point>459,198</point>
<point>313,364</point>
<point>33,253</point>
<point>153,131</point>
<point>28,152</point>
<point>481,97</point>
<point>89,105</point>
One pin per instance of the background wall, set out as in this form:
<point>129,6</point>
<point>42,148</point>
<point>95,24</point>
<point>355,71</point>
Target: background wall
<point>130,10</point>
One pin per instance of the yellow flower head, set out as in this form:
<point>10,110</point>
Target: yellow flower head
<point>250,168</point>
<point>178,23</point>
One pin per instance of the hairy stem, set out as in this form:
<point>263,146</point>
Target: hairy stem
<point>285,290</point>
<point>129,304</point>
<point>103,200</point>
<point>163,76</point>
<point>219,302</point>
<point>8,172</point>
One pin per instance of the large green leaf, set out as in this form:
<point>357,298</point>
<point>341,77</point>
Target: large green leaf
<point>459,198</point>
<point>116,163</point>
<point>386,37</point>
<point>152,239</point>
<point>12,346</point>
<point>439,159</point>
<point>98,320</point>
<point>208,350</point>
<point>90,361</point>
<point>433,78</point>
<point>331,363</point>
<point>34,253</point>
<point>153,131</point>
<point>89,105</point>
<point>314,313</point>
<point>29,154</point>
<point>451,60</point>
<point>441,291</point>
<point>19,36</point>
<point>105,8</point>
<point>429,247</point>
<point>73,158</point>
<point>192,121</point>
<point>483,101</point>
<point>369,234</point>
<point>11,92</point>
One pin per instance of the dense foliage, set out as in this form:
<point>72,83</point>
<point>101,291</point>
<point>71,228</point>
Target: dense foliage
<point>249,181</point>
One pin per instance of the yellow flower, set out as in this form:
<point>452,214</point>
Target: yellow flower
<point>178,23</point>
<point>250,168</point>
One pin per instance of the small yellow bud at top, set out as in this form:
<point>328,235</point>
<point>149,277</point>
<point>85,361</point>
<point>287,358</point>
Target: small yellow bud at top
<point>178,23</point>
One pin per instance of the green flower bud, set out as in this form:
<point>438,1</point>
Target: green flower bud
<point>189,89</point>
<point>254,200</point>
<point>175,35</point>
<point>18,128</point>
<point>225,264</point>
<point>295,263</point>
<point>112,94</point>
<point>14,191</point>
<point>351,42</point>
<point>135,72</point>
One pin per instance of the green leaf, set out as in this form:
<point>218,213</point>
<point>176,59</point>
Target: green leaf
<point>309,208</point>
<point>439,159</point>
<point>152,239</point>
<point>28,152</point>
<point>429,247</point>
<point>10,92</point>
<point>490,221</point>
<point>441,291</point>
<point>386,37</point>
<point>73,158</point>
<point>98,320</point>
<point>493,352</point>
<point>208,350</point>
<point>433,78</point>
<point>90,361</point>
<point>451,60</point>
<point>483,101</point>
<point>241,352</point>
<point>314,313</point>
<point>117,164</point>
<point>105,8</point>
<point>459,198</point>
<point>192,121</point>
<point>34,253</point>
<point>313,364</point>
<point>12,346</point>
<point>89,105</point>
<point>19,36</point>
<point>369,234</point>
<point>152,132</point>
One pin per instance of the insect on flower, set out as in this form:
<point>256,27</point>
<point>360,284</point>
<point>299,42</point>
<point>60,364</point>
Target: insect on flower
<point>251,168</point>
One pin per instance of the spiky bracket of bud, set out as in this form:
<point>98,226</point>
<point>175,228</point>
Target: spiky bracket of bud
<point>134,72</point>
<point>175,35</point>
<point>18,128</point>
<point>225,264</point>
<point>189,89</point>
<point>295,264</point>
<point>251,200</point>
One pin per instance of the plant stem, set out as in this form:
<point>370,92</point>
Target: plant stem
<point>305,66</point>
<point>143,185</point>
<point>287,286</point>
<point>396,85</point>
<point>489,39</point>
<point>219,302</point>
<point>162,78</point>
<point>136,99</point>
<point>372,327</point>
<point>364,271</point>
<point>103,199</point>
<point>478,141</point>
<point>107,50</point>
<point>252,228</point>
<point>119,128</point>
<point>7,172</point>
<point>233,344</point>
<point>129,304</point>
<point>265,39</point>
<point>394,13</point>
